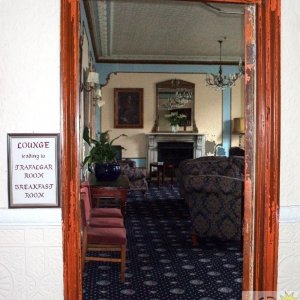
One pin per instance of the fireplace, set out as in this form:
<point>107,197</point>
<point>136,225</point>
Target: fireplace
<point>174,152</point>
<point>174,147</point>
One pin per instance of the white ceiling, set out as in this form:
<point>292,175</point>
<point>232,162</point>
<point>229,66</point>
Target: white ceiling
<point>164,31</point>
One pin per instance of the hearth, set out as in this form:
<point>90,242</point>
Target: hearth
<point>174,152</point>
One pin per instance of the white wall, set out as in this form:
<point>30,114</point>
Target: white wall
<point>30,239</point>
<point>289,234</point>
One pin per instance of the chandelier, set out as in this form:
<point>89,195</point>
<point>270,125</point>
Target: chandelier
<point>181,97</point>
<point>220,81</point>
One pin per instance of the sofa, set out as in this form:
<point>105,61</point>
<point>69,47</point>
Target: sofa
<point>213,189</point>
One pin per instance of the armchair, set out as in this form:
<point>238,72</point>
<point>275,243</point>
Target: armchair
<point>213,190</point>
<point>136,176</point>
<point>215,205</point>
<point>196,166</point>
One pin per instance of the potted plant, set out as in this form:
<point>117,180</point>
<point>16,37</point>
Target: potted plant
<point>176,120</point>
<point>102,156</point>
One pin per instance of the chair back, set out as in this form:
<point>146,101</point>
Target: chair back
<point>83,229</point>
<point>85,205</point>
<point>83,220</point>
<point>236,151</point>
<point>87,184</point>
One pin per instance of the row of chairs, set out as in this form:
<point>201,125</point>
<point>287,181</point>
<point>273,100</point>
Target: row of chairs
<point>102,230</point>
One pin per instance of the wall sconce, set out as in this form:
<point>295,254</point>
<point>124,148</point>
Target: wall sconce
<point>239,128</point>
<point>92,82</point>
<point>98,98</point>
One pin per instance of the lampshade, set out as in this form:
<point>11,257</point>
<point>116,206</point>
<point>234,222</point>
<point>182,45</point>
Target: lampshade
<point>93,78</point>
<point>238,125</point>
<point>98,94</point>
<point>100,103</point>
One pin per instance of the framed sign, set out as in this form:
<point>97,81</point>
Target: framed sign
<point>129,108</point>
<point>33,170</point>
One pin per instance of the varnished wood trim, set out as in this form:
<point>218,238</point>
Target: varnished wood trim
<point>227,2</point>
<point>268,147</point>
<point>250,72</point>
<point>69,148</point>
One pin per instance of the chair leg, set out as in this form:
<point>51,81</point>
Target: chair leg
<point>123,262</point>
<point>83,248</point>
<point>172,174</point>
<point>195,241</point>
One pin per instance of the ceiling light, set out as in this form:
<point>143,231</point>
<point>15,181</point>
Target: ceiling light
<point>220,81</point>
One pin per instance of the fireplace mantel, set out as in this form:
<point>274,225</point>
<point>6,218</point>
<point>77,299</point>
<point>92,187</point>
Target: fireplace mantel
<point>153,138</point>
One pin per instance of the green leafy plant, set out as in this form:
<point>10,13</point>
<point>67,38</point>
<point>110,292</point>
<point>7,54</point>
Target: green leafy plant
<point>102,150</point>
<point>175,118</point>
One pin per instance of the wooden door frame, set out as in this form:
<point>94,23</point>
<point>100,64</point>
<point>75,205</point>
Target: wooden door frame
<point>262,159</point>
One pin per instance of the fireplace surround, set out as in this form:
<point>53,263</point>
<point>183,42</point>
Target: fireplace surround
<point>162,146</point>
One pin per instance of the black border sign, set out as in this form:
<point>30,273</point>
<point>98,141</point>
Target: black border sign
<point>33,173</point>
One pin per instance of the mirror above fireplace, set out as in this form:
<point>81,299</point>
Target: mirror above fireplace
<point>175,96</point>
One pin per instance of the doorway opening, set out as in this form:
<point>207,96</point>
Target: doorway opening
<point>260,270</point>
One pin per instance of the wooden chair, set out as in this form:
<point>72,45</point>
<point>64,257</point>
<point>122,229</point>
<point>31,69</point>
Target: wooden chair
<point>103,239</point>
<point>103,220</point>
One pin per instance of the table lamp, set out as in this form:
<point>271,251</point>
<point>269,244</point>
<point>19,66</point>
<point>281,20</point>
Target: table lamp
<point>239,128</point>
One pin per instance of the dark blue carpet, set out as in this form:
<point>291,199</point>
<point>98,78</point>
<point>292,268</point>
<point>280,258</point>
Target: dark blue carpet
<point>161,261</point>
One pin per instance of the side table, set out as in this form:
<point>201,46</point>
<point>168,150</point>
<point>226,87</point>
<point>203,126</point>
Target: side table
<point>117,189</point>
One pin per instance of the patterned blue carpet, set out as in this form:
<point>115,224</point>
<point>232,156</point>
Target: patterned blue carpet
<point>161,261</point>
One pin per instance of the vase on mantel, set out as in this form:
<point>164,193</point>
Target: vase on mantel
<point>174,128</point>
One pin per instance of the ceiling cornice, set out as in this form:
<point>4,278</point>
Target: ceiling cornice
<point>100,15</point>
<point>169,62</point>
<point>102,20</point>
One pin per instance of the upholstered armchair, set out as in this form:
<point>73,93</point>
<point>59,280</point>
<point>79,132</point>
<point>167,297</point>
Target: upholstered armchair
<point>136,176</point>
<point>236,151</point>
<point>198,166</point>
<point>213,190</point>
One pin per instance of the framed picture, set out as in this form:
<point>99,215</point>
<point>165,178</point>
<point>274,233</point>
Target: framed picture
<point>33,175</point>
<point>128,106</point>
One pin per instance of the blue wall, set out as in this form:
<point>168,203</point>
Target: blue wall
<point>105,69</point>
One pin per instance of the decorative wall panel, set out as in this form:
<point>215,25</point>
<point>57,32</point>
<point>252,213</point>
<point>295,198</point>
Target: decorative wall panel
<point>31,262</point>
<point>289,257</point>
